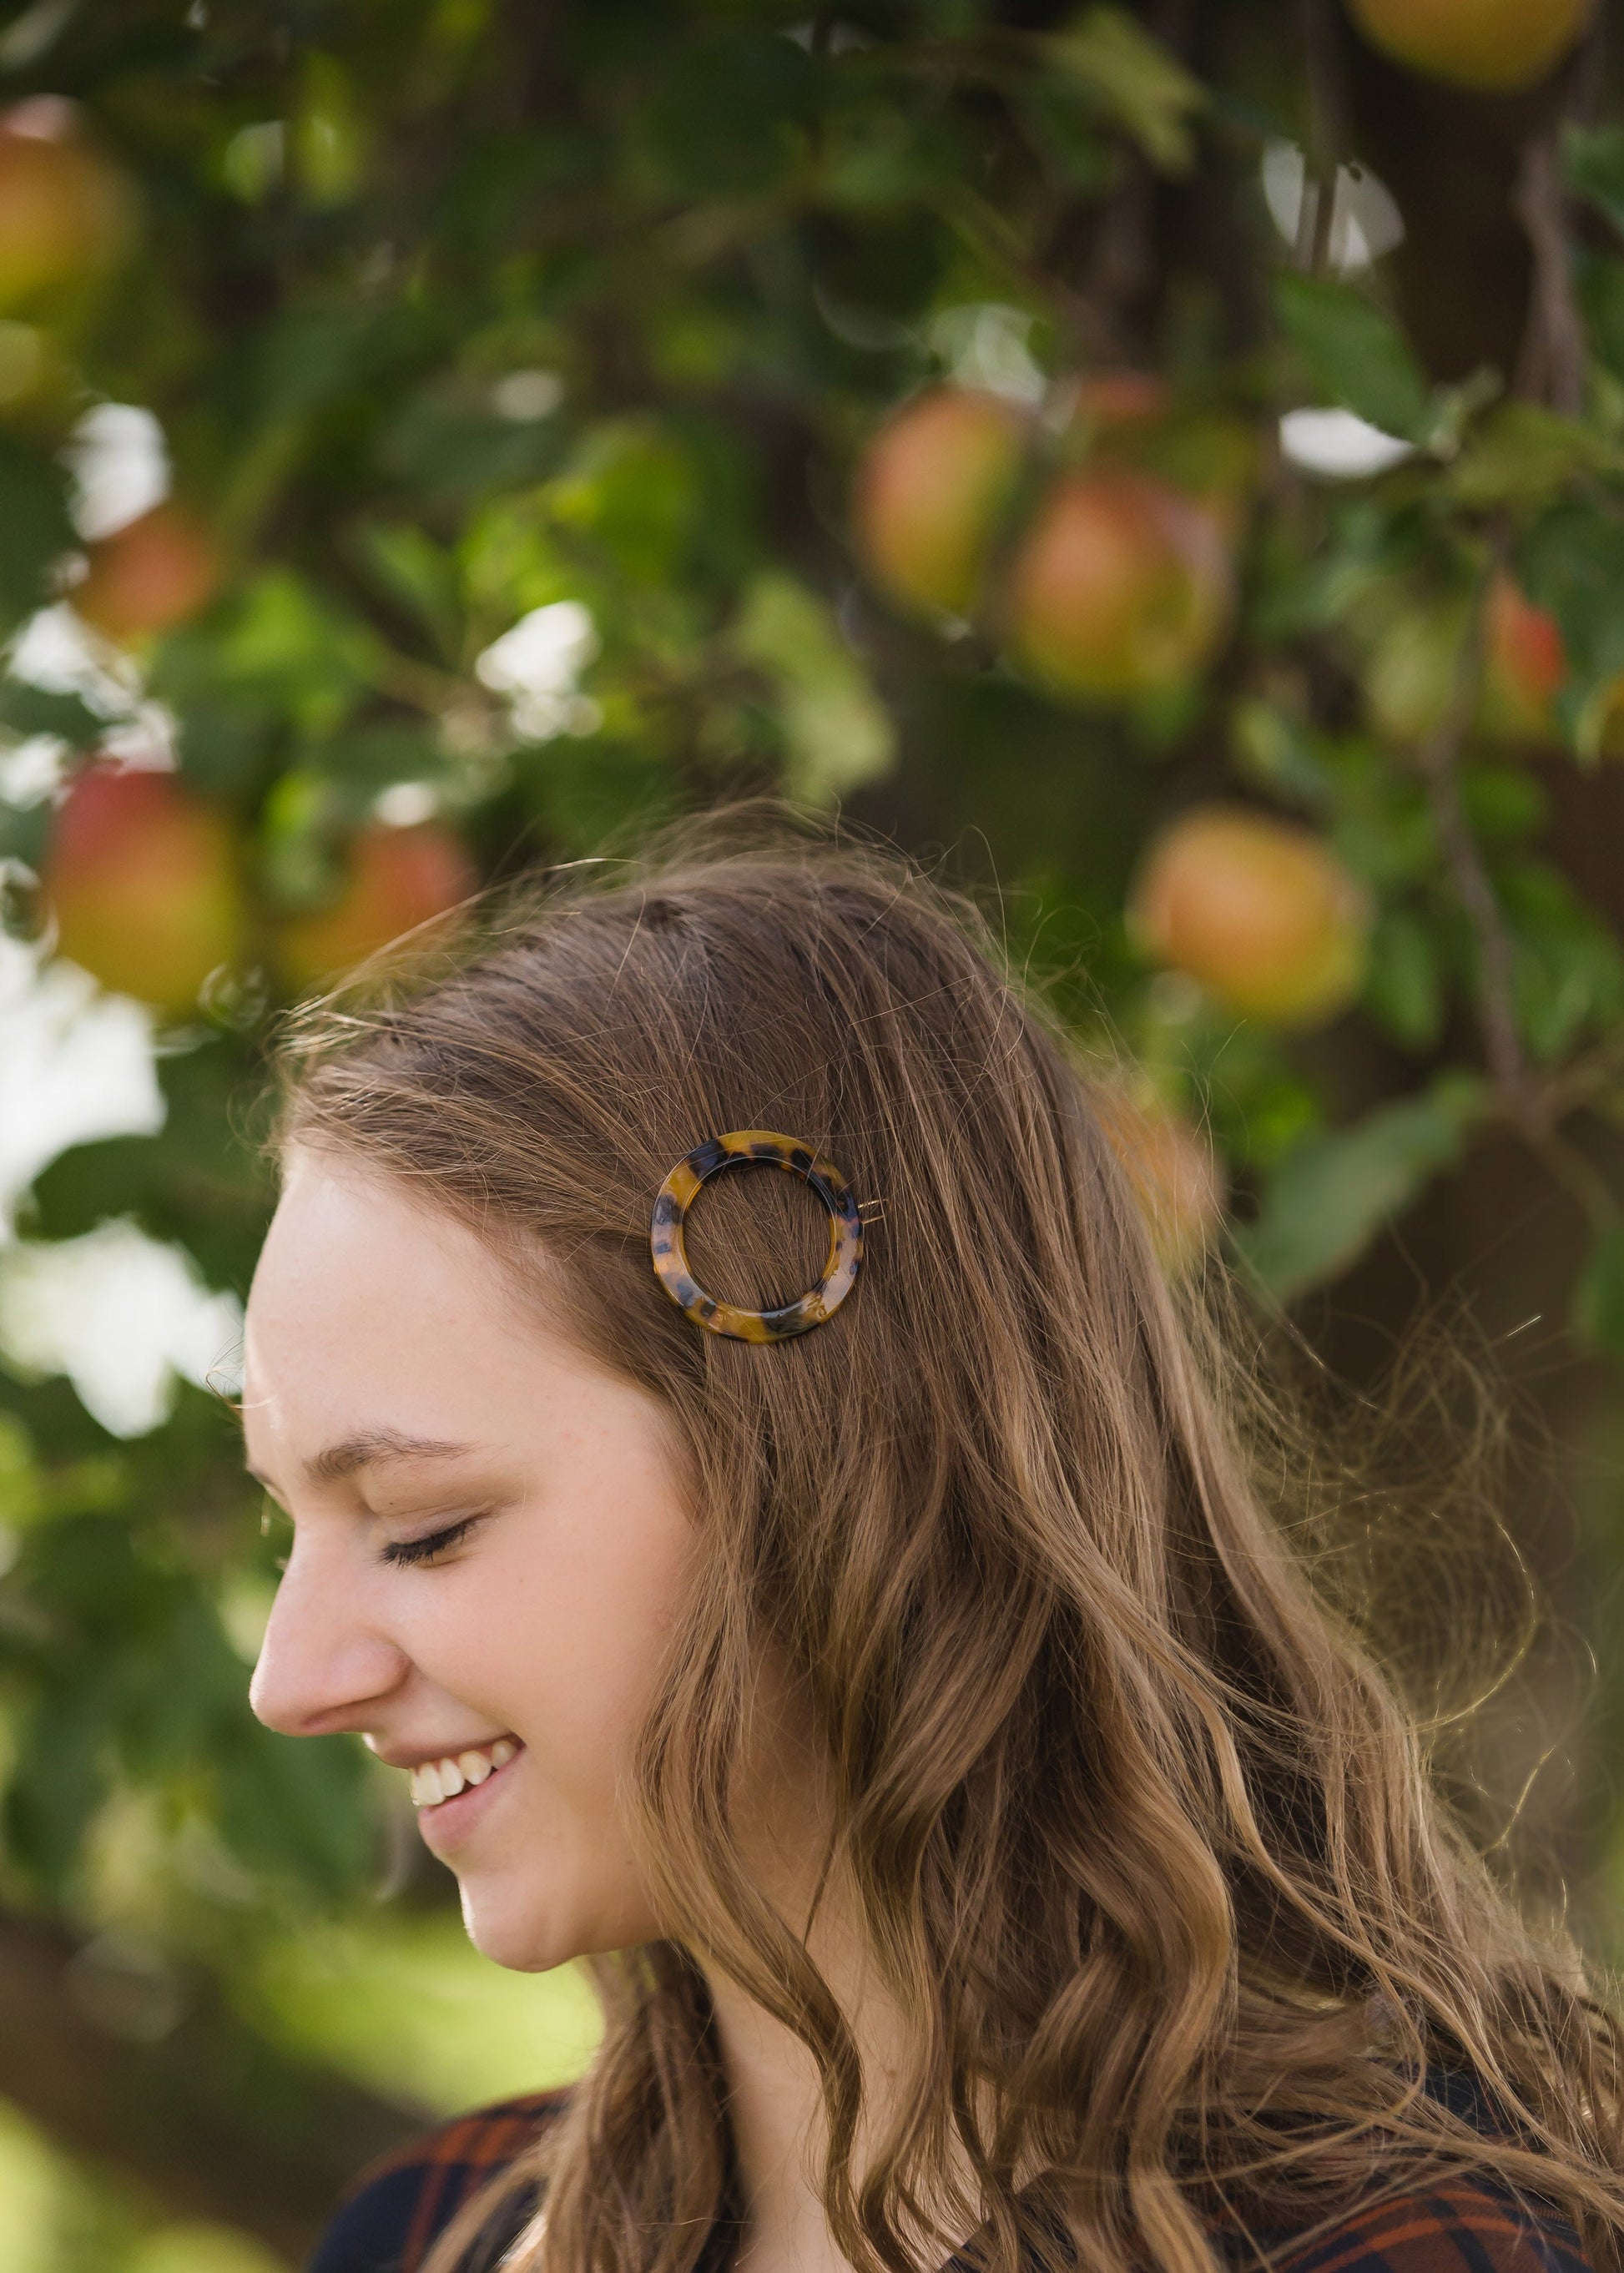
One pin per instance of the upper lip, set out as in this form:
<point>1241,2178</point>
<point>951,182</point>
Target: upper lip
<point>423,1759</point>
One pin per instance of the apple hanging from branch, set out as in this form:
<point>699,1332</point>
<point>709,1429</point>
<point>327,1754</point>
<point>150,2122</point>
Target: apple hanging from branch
<point>145,578</point>
<point>1121,587</point>
<point>931,491</point>
<point>396,879</point>
<point>1259,910</point>
<point>1493,46</point>
<point>140,873</point>
<point>65,212</point>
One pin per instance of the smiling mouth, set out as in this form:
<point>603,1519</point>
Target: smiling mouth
<point>437,1781</point>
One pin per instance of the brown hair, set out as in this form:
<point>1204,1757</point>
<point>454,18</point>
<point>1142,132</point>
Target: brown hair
<point>1144,1841</point>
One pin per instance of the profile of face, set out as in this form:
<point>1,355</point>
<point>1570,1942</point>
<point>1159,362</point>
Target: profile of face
<point>490,1547</point>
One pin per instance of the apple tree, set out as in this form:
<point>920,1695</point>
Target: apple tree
<point>1166,460</point>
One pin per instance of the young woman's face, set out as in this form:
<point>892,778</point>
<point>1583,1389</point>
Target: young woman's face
<point>397,1400</point>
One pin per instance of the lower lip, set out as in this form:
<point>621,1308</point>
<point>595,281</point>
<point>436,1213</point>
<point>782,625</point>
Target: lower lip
<point>449,1824</point>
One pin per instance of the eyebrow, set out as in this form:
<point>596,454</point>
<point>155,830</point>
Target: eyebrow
<point>372,1448</point>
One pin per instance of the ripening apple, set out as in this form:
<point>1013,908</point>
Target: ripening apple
<point>1172,1169</point>
<point>1260,911</point>
<point>929,494</point>
<point>140,873</point>
<point>1121,586</point>
<point>64,210</point>
<point>1411,678</point>
<point>396,879</point>
<point>147,576</point>
<point>1493,46</point>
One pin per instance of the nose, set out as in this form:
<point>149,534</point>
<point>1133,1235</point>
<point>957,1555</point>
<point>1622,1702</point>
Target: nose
<point>323,1665</point>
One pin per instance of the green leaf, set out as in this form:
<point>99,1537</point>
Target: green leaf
<point>1355,353</point>
<point>1403,987</point>
<point>33,513</point>
<point>836,730</point>
<point>413,571</point>
<point>1135,80</point>
<point>26,710</point>
<point>1598,1298</point>
<point>1522,453</point>
<point>1593,162</point>
<point>1331,1194</point>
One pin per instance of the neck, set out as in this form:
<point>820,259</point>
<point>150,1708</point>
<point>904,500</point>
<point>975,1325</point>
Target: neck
<point>775,2106</point>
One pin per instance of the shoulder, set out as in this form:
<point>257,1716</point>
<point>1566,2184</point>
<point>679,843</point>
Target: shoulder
<point>392,2215</point>
<point>1452,2224</point>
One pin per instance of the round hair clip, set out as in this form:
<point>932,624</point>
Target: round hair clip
<point>682,1188</point>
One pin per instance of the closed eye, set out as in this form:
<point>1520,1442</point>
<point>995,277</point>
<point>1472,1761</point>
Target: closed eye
<point>432,1546</point>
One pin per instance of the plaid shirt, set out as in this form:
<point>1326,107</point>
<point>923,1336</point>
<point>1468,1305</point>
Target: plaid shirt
<point>391,2217</point>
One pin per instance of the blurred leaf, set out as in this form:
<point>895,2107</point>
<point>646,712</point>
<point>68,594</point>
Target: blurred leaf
<point>1593,162</point>
<point>1570,970</point>
<point>26,710</point>
<point>1332,1192</point>
<point>634,489</point>
<point>838,733</point>
<point>413,571</point>
<point>1358,357</point>
<point>1134,80</point>
<point>33,513</point>
<point>58,1784</point>
<point>290,646</point>
<point>724,121</point>
<point>1522,453</point>
<point>1598,1297</point>
<point>1403,987</point>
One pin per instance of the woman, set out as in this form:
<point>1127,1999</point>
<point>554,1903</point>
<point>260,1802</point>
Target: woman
<point>839,1604</point>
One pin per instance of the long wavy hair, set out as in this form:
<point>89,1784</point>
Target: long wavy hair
<point>1148,1847</point>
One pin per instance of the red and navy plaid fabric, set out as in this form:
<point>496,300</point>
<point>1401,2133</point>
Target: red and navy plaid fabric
<point>390,2220</point>
<point>391,2217</point>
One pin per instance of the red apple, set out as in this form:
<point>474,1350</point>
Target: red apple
<point>396,879</point>
<point>1121,586</point>
<point>149,575</point>
<point>1526,666</point>
<point>141,876</point>
<point>65,212</point>
<point>1495,47</point>
<point>1172,1169</point>
<point>929,493</point>
<point>1260,911</point>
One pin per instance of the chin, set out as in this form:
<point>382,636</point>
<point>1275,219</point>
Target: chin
<point>516,1933</point>
<point>529,1928</point>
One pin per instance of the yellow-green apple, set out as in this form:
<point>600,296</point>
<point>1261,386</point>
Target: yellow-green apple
<point>930,492</point>
<point>149,575</point>
<point>1121,586</point>
<point>141,876</point>
<point>1495,47</point>
<point>64,210</point>
<point>1260,911</point>
<point>394,879</point>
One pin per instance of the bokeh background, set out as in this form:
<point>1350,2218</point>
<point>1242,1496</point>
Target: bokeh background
<point>1163,463</point>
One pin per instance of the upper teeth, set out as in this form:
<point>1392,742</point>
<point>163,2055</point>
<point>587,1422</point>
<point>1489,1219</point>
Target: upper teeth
<point>438,1779</point>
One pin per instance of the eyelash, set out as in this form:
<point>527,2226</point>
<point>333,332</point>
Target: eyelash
<point>429,1549</point>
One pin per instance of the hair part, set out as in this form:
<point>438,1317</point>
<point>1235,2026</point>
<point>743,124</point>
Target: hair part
<point>1146,1846</point>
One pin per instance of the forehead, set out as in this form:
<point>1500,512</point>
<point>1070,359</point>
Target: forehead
<point>370,1309</point>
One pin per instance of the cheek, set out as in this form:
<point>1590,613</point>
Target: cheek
<point>559,1635</point>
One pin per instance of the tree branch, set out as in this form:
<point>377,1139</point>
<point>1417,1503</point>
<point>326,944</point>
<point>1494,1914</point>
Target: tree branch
<point>1521,1100</point>
<point>1551,365</point>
